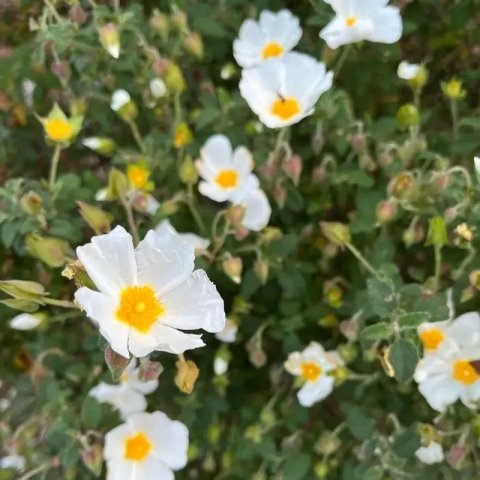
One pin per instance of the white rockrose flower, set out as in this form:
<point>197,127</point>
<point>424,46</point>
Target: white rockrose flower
<point>432,453</point>
<point>25,321</point>
<point>313,366</point>
<point>147,295</point>
<point>284,91</point>
<point>198,243</point>
<point>128,396</point>
<point>146,446</point>
<point>272,36</point>
<point>355,21</point>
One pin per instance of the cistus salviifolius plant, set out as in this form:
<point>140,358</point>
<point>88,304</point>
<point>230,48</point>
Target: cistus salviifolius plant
<point>239,239</point>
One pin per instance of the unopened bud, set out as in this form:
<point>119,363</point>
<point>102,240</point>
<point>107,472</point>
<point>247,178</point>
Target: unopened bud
<point>407,116</point>
<point>261,270</point>
<point>318,141</point>
<point>293,168</point>
<point>348,352</point>
<point>102,145</point>
<point>232,266</point>
<point>269,170</point>
<point>456,454</point>
<point>160,22</point>
<point>358,142</point>
<point>149,370</point>
<point>179,20</point>
<point>328,321</point>
<point>77,14</point>
<point>474,279</point>
<point>182,135</point>
<point>157,86</point>
<point>50,250</point>
<point>319,174</point>
<point>93,459</point>
<point>453,89</point>
<point>62,70</point>
<point>270,234</point>
<point>31,203</point>
<point>123,105</point>
<point>228,71</point>
<point>335,232</point>
<point>235,214</point>
<point>188,173</point>
<point>321,470</point>
<point>194,44</point>
<point>187,375</point>
<point>386,211</point>
<point>437,232</point>
<point>118,183</point>
<point>115,362</point>
<point>327,444</point>
<point>76,271</point>
<point>401,185</point>
<point>280,194</point>
<point>110,39</point>
<point>97,219</point>
<point>173,78</point>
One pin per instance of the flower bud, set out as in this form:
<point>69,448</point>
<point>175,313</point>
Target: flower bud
<point>97,219</point>
<point>149,370</point>
<point>327,444</point>
<point>293,168</point>
<point>474,279</point>
<point>118,183</point>
<point>160,22</point>
<point>270,234</point>
<point>102,145</point>
<point>187,375</point>
<point>358,142</point>
<point>269,170</point>
<point>319,174</point>
<point>321,470</point>
<point>123,105</point>
<point>328,321</point>
<point>349,329</point>
<point>188,173</point>
<point>93,459</point>
<point>157,86</point>
<point>179,20</point>
<point>235,214</point>
<point>76,271</point>
<point>401,185</point>
<point>453,89</point>
<point>318,141</point>
<point>182,136</point>
<point>52,251</point>
<point>62,70</point>
<point>456,455</point>
<point>261,270</point>
<point>386,211</point>
<point>193,44</point>
<point>110,39</point>
<point>348,351</point>
<point>115,362</point>
<point>232,266</point>
<point>31,203</point>
<point>332,294</point>
<point>220,365</point>
<point>335,232</point>
<point>228,71</point>
<point>173,78</point>
<point>77,14</point>
<point>280,194</point>
<point>437,232</point>
<point>407,116</point>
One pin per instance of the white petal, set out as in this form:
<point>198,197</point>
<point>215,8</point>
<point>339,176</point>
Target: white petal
<point>431,454</point>
<point>388,26</point>
<point>217,152</point>
<point>476,162</point>
<point>163,339</point>
<point>101,308</point>
<point>120,469</point>
<point>213,191</point>
<point>25,321</point>
<point>220,366</point>
<point>119,99</point>
<point>194,304</point>
<point>440,391</point>
<point>157,87</point>
<point>229,333</point>
<point>470,394</point>
<point>153,468</point>
<point>313,392</point>
<point>110,261</point>
<point>338,33</point>
<point>163,261</point>
<point>115,441</point>
<point>293,364</point>
<point>407,71</point>
<point>257,210</point>
<point>15,462</point>
<point>465,330</point>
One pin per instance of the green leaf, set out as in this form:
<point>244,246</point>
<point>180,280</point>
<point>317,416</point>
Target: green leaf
<point>373,473</point>
<point>404,359</point>
<point>378,331</point>
<point>91,413</point>
<point>413,319</point>
<point>296,467</point>
<point>406,442</point>
<point>359,424</point>
<point>382,296</point>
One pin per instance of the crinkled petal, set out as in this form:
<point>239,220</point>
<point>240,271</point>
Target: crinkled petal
<point>313,392</point>
<point>257,210</point>
<point>388,26</point>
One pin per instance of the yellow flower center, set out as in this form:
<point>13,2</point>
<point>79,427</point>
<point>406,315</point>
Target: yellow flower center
<point>227,178</point>
<point>285,108</point>
<point>272,49</point>
<point>137,447</point>
<point>137,175</point>
<point>180,138</point>
<point>464,372</point>
<point>351,21</point>
<point>139,307</point>
<point>311,371</point>
<point>432,338</point>
<point>58,130</point>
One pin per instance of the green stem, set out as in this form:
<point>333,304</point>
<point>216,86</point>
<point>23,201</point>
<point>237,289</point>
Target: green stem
<point>54,167</point>
<point>60,303</point>
<point>136,135</point>
<point>341,60</point>
<point>53,10</point>
<point>127,205</point>
<point>438,265</point>
<point>454,110</point>
<point>467,260</point>
<point>362,259</point>
<point>193,209</point>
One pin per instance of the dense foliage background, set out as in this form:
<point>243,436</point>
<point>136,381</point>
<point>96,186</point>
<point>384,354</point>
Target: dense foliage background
<point>401,191</point>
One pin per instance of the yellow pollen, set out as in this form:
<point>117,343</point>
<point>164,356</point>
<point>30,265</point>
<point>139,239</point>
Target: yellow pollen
<point>464,372</point>
<point>139,308</point>
<point>137,447</point>
<point>351,21</point>
<point>432,338</point>
<point>137,175</point>
<point>285,108</point>
<point>227,179</point>
<point>58,130</point>
<point>272,49</point>
<point>311,371</point>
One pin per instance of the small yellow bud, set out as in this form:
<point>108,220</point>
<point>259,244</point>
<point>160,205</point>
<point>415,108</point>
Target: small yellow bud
<point>261,270</point>
<point>193,44</point>
<point>453,89</point>
<point>337,233</point>
<point>110,39</point>
<point>234,215</point>
<point>188,173</point>
<point>182,136</point>
<point>173,78</point>
<point>233,266</point>
<point>138,175</point>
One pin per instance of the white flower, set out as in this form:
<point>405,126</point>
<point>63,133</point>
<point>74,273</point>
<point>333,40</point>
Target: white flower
<point>355,21</point>
<point>431,454</point>
<point>226,173</point>
<point>119,99</point>
<point>476,162</point>
<point>272,36</point>
<point>313,366</point>
<point>196,242</point>
<point>220,366</point>
<point>257,210</point>
<point>148,294</point>
<point>158,88</point>
<point>147,446</point>
<point>408,71</point>
<point>462,332</point>
<point>229,333</point>
<point>25,321</point>
<point>449,375</point>
<point>128,396</point>
<point>15,462</point>
<point>283,91</point>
